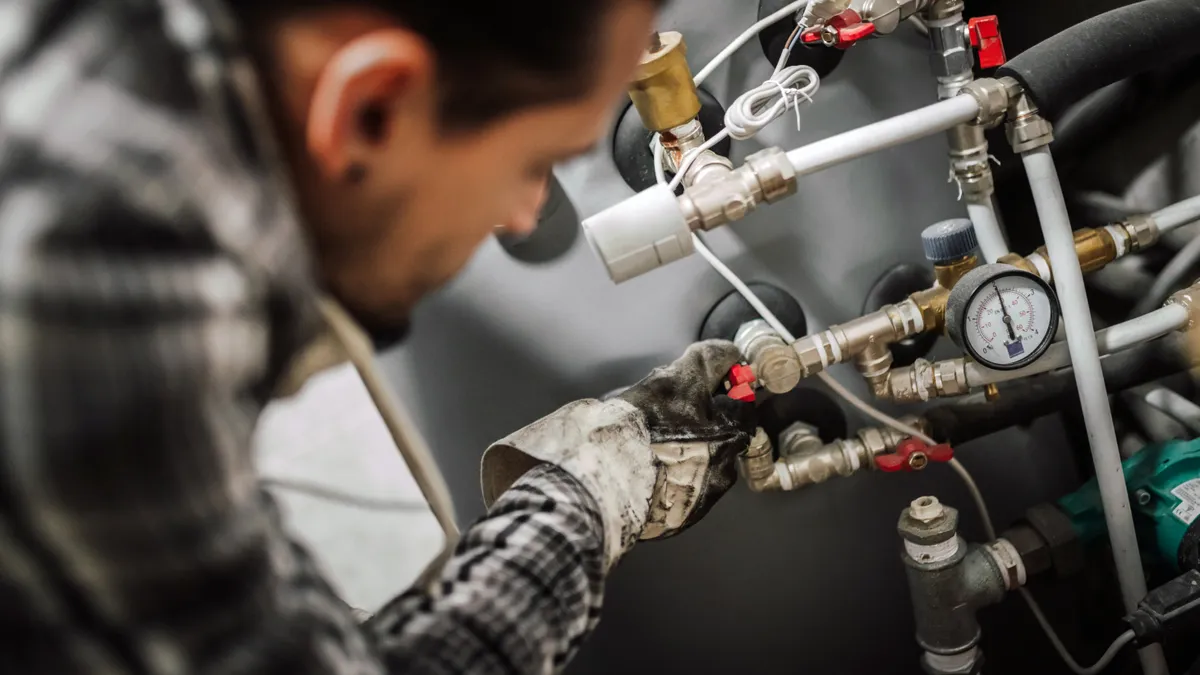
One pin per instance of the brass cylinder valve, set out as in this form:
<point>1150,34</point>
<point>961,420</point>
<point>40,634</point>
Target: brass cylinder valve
<point>662,89</point>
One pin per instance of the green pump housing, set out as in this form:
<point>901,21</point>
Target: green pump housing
<point>1164,493</point>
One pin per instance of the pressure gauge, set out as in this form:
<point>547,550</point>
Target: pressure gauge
<point>1004,317</point>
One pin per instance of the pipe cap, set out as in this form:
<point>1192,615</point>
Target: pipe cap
<point>949,240</point>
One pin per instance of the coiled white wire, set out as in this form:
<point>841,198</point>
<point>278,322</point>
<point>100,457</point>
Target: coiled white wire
<point>751,112</point>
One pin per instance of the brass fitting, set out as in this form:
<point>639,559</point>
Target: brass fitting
<point>757,465</point>
<point>841,343</point>
<point>840,458</point>
<point>774,361</point>
<point>1094,248</point>
<point>1026,128</point>
<point>873,363</point>
<point>662,89</point>
<point>1019,262</point>
<point>924,380</point>
<point>948,275</point>
<point>766,177</point>
<point>932,303</point>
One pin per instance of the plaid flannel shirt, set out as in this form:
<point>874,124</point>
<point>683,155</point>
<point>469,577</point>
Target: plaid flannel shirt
<point>153,286</point>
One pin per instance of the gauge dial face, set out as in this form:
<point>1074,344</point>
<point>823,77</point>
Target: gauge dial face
<point>1010,321</point>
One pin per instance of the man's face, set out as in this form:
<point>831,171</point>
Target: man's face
<point>425,200</point>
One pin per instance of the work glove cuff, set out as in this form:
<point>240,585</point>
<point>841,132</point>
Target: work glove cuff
<point>604,445</point>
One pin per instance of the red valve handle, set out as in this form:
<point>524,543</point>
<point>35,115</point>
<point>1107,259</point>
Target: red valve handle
<point>740,386</point>
<point>985,36</point>
<point>848,29</point>
<point>912,454</point>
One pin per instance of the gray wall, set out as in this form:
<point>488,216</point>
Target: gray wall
<point>802,582</point>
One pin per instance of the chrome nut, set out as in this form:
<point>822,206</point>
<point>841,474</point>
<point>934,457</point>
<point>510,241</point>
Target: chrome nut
<point>950,378</point>
<point>1142,232</point>
<point>1029,132</point>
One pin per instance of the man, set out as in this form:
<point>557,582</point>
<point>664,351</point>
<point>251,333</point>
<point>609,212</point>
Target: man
<point>180,181</point>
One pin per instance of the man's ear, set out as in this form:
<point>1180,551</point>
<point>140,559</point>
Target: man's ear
<point>357,90</point>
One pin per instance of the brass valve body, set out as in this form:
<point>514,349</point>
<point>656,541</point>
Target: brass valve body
<point>662,89</point>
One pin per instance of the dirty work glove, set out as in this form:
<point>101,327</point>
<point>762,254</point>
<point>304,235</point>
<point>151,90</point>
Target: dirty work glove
<point>656,457</point>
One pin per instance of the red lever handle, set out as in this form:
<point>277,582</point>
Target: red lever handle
<point>985,36</point>
<point>841,31</point>
<point>913,455</point>
<point>740,386</point>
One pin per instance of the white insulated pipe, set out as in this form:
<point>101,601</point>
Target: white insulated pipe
<point>1113,339</point>
<point>1177,214</point>
<point>1089,378</point>
<point>987,230</point>
<point>884,134</point>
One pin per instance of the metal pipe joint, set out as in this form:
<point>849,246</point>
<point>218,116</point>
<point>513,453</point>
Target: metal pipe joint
<point>766,177</point>
<point>949,581</point>
<point>805,460</point>
<point>843,342</point>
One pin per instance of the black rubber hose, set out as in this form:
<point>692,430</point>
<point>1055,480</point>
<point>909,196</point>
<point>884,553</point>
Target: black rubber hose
<point>1023,401</point>
<point>1109,47</point>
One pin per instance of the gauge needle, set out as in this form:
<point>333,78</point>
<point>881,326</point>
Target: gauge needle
<point>1008,322</point>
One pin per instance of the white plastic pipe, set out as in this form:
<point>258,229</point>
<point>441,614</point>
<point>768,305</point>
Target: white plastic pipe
<point>884,134</point>
<point>987,230</point>
<point>1116,338</point>
<point>1177,214</point>
<point>1089,378</point>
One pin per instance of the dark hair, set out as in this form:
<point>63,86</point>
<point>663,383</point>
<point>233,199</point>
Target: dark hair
<point>496,56</point>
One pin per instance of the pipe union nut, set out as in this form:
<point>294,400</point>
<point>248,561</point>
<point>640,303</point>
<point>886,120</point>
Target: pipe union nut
<point>1028,132</point>
<point>775,173</point>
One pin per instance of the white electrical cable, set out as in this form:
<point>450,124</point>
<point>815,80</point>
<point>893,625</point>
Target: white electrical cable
<point>1177,214</point>
<point>746,36</point>
<point>1105,660</point>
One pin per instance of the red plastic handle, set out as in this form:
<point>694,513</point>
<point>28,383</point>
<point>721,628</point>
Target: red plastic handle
<point>985,36</point>
<point>913,455</point>
<point>741,383</point>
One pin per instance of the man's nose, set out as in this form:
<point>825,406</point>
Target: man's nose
<point>524,219</point>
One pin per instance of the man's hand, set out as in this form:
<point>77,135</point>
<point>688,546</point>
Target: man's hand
<point>696,436</point>
<point>656,457</point>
